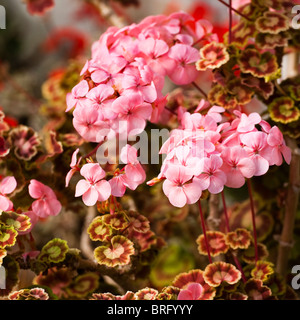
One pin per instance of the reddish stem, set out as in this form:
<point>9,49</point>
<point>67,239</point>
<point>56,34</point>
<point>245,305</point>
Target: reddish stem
<point>230,22</point>
<point>199,89</point>
<point>94,150</point>
<point>228,230</point>
<point>253,219</point>
<point>225,212</point>
<point>236,11</point>
<point>204,230</point>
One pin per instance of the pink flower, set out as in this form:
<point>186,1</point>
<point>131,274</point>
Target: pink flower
<point>279,148</point>
<point>89,123</point>
<point>237,166</point>
<point>77,94</point>
<point>101,100</point>
<point>46,203</point>
<point>255,143</point>
<point>74,166</point>
<point>212,178</point>
<point>92,188</point>
<point>133,113</point>
<point>178,187</point>
<point>135,174</point>
<point>184,57</point>
<point>154,49</point>
<point>7,186</point>
<point>192,292</point>
<point>247,123</point>
<point>140,81</point>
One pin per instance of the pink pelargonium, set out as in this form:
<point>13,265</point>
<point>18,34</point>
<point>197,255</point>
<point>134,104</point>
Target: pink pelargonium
<point>88,122</point>
<point>184,70</point>
<point>46,203</point>
<point>180,188</point>
<point>237,166</point>
<point>78,93</point>
<point>192,292</point>
<point>279,148</point>
<point>135,174</point>
<point>212,177</point>
<point>133,113</point>
<point>7,186</point>
<point>255,143</point>
<point>92,188</point>
<point>74,166</point>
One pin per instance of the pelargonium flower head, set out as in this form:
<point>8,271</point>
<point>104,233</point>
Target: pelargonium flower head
<point>133,113</point>
<point>279,148</point>
<point>134,172</point>
<point>7,186</point>
<point>185,57</point>
<point>247,123</point>
<point>255,143</point>
<point>93,188</point>
<point>100,98</point>
<point>212,177</point>
<point>89,123</point>
<point>46,203</point>
<point>192,292</point>
<point>139,80</point>
<point>78,93</point>
<point>180,188</point>
<point>237,165</point>
<point>74,166</point>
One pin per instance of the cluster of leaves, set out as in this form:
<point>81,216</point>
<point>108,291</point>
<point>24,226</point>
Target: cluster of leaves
<point>251,63</point>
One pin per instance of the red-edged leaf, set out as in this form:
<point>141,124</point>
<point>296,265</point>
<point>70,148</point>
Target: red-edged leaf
<point>262,270</point>
<point>117,252</point>
<point>217,243</point>
<point>146,294</point>
<point>272,22</point>
<point>218,272</point>
<point>212,56</point>
<point>256,290</point>
<point>239,239</point>
<point>283,110</point>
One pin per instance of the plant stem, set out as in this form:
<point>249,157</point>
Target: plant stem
<point>230,22</point>
<point>236,11</point>
<point>253,219</point>
<point>94,150</point>
<point>199,89</point>
<point>204,230</point>
<point>236,260</point>
<point>225,212</point>
<point>291,206</point>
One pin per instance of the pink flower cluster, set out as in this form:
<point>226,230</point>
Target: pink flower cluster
<point>205,153</point>
<point>121,86</point>
<point>95,188</point>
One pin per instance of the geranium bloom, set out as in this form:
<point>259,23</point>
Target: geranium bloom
<point>213,178</point>
<point>135,174</point>
<point>279,148</point>
<point>140,82</point>
<point>178,187</point>
<point>7,186</point>
<point>92,188</point>
<point>184,57</point>
<point>237,166</point>
<point>77,94</point>
<point>74,166</point>
<point>192,292</point>
<point>100,98</point>
<point>133,113</point>
<point>255,143</point>
<point>247,123</point>
<point>89,123</point>
<point>46,203</point>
